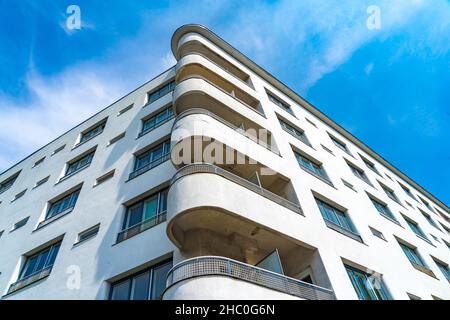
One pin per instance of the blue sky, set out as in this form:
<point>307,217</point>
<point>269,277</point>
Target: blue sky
<point>389,87</point>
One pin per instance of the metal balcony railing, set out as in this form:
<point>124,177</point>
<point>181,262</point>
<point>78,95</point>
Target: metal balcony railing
<point>221,266</point>
<point>19,284</point>
<point>149,166</point>
<point>225,122</point>
<point>210,168</point>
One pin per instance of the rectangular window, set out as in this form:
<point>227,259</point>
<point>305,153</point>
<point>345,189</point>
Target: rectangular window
<point>20,224</point>
<point>414,226</point>
<point>337,220</point>
<point>445,228</point>
<point>429,219</point>
<point>8,183</point>
<point>143,215</point>
<point>407,191</point>
<point>58,150</point>
<point>41,182</point>
<point>162,91</point>
<point>19,195</point>
<point>283,105</point>
<point>311,166</point>
<point>297,133</point>
<point>75,166</point>
<point>445,217</point>
<point>383,209</point>
<point>36,267</point>
<point>348,185</point>
<point>338,143</point>
<point>151,123</point>
<point>104,177</point>
<point>377,233</point>
<point>63,205</point>
<point>88,234</point>
<point>444,269</point>
<point>116,138</point>
<point>426,204</point>
<point>148,284</point>
<point>367,286</point>
<point>91,133</point>
<point>390,193</point>
<point>38,162</point>
<point>415,259</point>
<point>370,165</point>
<point>121,112</point>
<point>151,158</point>
<point>359,173</point>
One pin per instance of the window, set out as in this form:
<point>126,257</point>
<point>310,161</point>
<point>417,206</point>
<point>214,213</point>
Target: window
<point>91,133</point>
<point>359,173</point>
<point>337,220</point>
<point>348,185</point>
<point>19,195</point>
<point>38,162</point>
<point>121,112</point>
<point>151,123</point>
<point>88,234</point>
<point>63,205</point>
<point>58,150</point>
<point>283,105</point>
<point>104,177</point>
<point>312,123</point>
<point>148,284</point>
<point>389,177</point>
<point>41,182</point>
<point>8,183</point>
<point>383,209</point>
<point>429,219</point>
<point>390,193</point>
<point>377,233</point>
<point>36,267</point>
<point>20,224</point>
<point>446,218</point>
<point>435,238</point>
<point>367,286</point>
<point>77,165</point>
<point>426,204</point>
<point>297,133</point>
<point>311,166</point>
<point>151,158</point>
<point>370,165</point>
<point>162,91</point>
<point>414,226</point>
<point>413,296</point>
<point>341,145</point>
<point>407,191</point>
<point>116,138</point>
<point>445,228</point>
<point>415,259</point>
<point>327,149</point>
<point>1,233</point>
<point>444,268</point>
<point>144,215</point>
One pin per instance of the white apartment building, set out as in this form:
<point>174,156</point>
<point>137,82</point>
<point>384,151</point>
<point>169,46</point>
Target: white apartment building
<point>128,204</point>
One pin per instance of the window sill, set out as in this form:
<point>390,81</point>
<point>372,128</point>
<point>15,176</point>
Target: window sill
<point>343,231</point>
<point>426,240</point>
<point>34,278</point>
<point>390,219</point>
<point>48,221</point>
<point>140,228</point>
<point>425,270</point>
<point>318,176</point>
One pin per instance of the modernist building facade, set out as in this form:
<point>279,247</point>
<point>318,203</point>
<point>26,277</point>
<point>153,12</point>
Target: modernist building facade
<point>181,188</point>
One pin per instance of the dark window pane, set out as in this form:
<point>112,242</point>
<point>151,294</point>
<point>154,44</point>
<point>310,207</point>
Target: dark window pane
<point>159,280</point>
<point>141,285</point>
<point>121,291</point>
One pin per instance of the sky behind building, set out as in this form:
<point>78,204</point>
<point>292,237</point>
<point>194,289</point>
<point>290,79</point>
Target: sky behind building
<point>390,87</point>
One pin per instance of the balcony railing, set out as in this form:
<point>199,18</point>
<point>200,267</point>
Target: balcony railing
<point>149,166</point>
<point>141,227</point>
<point>41,274</point>
<point>225,122</point>
<point>54,217</point>
<point>221,266</point>
<point>210,168</point>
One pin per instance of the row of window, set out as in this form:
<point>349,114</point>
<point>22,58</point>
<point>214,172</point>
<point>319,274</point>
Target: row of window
<point>300,134</point>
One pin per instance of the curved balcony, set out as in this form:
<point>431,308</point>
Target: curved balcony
<point>213,277</point>
<point>199,135</point>
<point>195,43</point>
<point>188,93</point>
